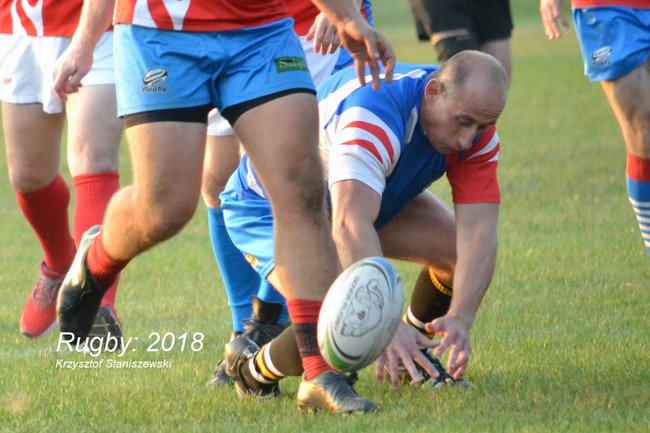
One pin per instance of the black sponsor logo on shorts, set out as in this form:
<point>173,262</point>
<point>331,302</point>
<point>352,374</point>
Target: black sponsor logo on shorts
<point>600,57</point>
<point>152,80</point>
<point>286,64</point>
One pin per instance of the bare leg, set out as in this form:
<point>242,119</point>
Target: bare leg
<point>32,142</point>
<point>283,150</point>
<point>94,130</point>
<point>167,159</point>
<point>221,159</point>
<point>423,232</point>
<point>629,97</point>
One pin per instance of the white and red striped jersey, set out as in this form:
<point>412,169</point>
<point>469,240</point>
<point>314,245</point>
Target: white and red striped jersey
<point>39,17</point>
<point>636,4</point>
<point>199,15</point>
<point>375,137</point>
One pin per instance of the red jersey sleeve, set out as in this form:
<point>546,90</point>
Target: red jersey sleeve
<point>473,174</point>
<point>635,4</point>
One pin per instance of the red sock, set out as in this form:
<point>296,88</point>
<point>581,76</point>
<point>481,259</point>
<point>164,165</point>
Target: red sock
<point>46,210</point>
<point>304,317</point>
<point>104,268</point>
<point>92,194</point>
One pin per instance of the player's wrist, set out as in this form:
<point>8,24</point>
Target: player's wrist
<point>465,318</point>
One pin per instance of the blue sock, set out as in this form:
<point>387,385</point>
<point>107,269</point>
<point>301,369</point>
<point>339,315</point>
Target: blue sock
<point>239,278</point>
<point>638,190</point>
<point>268,293</point>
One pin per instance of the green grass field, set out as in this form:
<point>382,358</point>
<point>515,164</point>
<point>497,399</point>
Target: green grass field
<point>560,344</point>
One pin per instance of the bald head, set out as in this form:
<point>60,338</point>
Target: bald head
<point>480,71</point>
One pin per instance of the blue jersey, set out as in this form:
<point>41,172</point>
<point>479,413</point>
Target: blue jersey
<point>374,137</point>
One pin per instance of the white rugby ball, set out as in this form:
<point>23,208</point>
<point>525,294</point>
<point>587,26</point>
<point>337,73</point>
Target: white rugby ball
<point>360,314</point>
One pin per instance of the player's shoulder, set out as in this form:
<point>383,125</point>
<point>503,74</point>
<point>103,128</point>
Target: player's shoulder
<point>347,78</point>
<point>414,70</point>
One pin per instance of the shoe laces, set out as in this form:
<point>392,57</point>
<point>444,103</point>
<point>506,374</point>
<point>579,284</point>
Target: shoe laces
<point>352,377</point>
<point>443,376</point>
<point>45,290</point>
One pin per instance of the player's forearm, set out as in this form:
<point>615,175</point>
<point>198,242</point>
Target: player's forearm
<point>339,11</point>
<point>96,18</point>
<point>355,241</point>
<point>473,276</point>
<point>476,257</point>
<point>355,207</point>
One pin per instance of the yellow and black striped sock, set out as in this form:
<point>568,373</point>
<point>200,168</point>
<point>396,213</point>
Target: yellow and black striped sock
<point>430,299</point>
<point>263,369</point>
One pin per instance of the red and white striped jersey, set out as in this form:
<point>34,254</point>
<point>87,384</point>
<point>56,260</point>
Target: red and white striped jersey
<point>39,17</point>
<point>636,4</point>
<point>375,137</point>
<point>199,15</point>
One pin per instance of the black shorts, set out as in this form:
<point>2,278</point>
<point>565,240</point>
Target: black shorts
<point>486,20</point>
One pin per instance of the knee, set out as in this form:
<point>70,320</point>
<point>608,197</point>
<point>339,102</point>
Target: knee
<point>639,144</point>
<point>163,219</point>
<point>211,186</point>
<point>303,193</point>
<point>93,158</point>
<point>27,181</point>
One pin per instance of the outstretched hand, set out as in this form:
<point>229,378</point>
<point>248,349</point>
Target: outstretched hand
<point>405,350</point>
<point>324,35</point>
<point>455,337</point>
<point>367,45</point>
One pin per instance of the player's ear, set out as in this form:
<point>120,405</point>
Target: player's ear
<point>434,88</point>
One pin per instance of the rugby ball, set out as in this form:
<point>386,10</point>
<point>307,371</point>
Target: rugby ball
<point>360,314</point>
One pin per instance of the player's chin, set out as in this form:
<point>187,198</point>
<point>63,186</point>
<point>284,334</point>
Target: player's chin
<point>442,148</point>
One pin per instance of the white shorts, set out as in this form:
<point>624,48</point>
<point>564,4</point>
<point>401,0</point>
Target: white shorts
<point>320,68</point>
<point>27,68</point>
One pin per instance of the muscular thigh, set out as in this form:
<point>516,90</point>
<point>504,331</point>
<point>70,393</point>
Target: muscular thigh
<point>281,139</point>
<point>94,130</point>
<point>167,159</point>
<point>32,142</point>
<point>423,232</point>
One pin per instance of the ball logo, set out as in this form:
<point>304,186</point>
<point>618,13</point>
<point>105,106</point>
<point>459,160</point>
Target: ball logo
<point>152,80</point>
<point>363,311</point>
<point>360,314</point>
<point>600,57</point>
